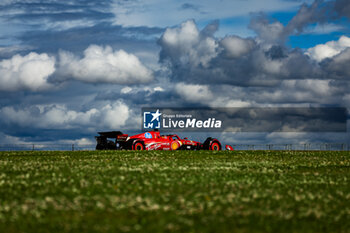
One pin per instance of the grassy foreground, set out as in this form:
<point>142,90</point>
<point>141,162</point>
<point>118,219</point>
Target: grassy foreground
<point>202,191</point>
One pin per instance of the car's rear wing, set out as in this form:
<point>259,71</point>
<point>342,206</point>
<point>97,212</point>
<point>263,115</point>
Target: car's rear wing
<point>113,134</point>
<point>110,134</point>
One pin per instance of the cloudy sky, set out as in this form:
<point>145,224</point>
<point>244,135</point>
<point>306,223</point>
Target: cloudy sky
<point>71,68</point>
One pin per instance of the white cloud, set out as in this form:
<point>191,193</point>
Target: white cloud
<point>194,93</point>
<point>223,96</point>
<point>99,65</point>
<point>290,137</point>
<point>299,93</point>
<point>114,116</point>
<point>109,116</point>
<point>329,50</point>
<point>235,46</point>
<point>311,86</point>
<point>322,29</point>
<point>339,65</point>
<point>269,66</point>
<point>159,89</point>
<point>10,50</point>
<point>78,142</point>
<point>67,24</point>
<point>28,72</point>
<point>21,143</point>
<point>103,65</point>
<point>7,139</point>
<point>268,32</point>
<point>346,102</point>
<point>228,102</point>
<point>186,45</point>
<point>126,90</point>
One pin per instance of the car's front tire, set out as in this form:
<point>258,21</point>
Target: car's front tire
<point>176,145</point>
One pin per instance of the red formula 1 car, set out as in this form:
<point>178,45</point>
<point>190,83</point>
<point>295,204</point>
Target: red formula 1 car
<point>152,141</point>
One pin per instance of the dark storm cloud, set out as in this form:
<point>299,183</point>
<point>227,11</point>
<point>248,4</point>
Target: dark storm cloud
<point>342,7</point>
<point>49,26</point>
<point>137,97</point>
<point>198,57</point>
<point>147,96</point>
<point>273,31</point>
<point>338,66</point>
<point>260,71</point>
<point>268,31</point>
<point>61,16</point>
<point>307,14</point>
<point>77,39</point>
<point>189,6</point>
<point>56,10</point>
<point>29,120</point>
<point>319,12</point>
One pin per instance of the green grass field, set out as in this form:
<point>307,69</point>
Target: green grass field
<point>119,191</point>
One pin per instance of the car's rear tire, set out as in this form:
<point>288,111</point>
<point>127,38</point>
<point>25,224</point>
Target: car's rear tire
<point>100,147</point>
<point>211,144</point>
<point>139,146</point>
<point>215,146</point>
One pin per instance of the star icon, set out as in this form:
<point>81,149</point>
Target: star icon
<point>156,115</point>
